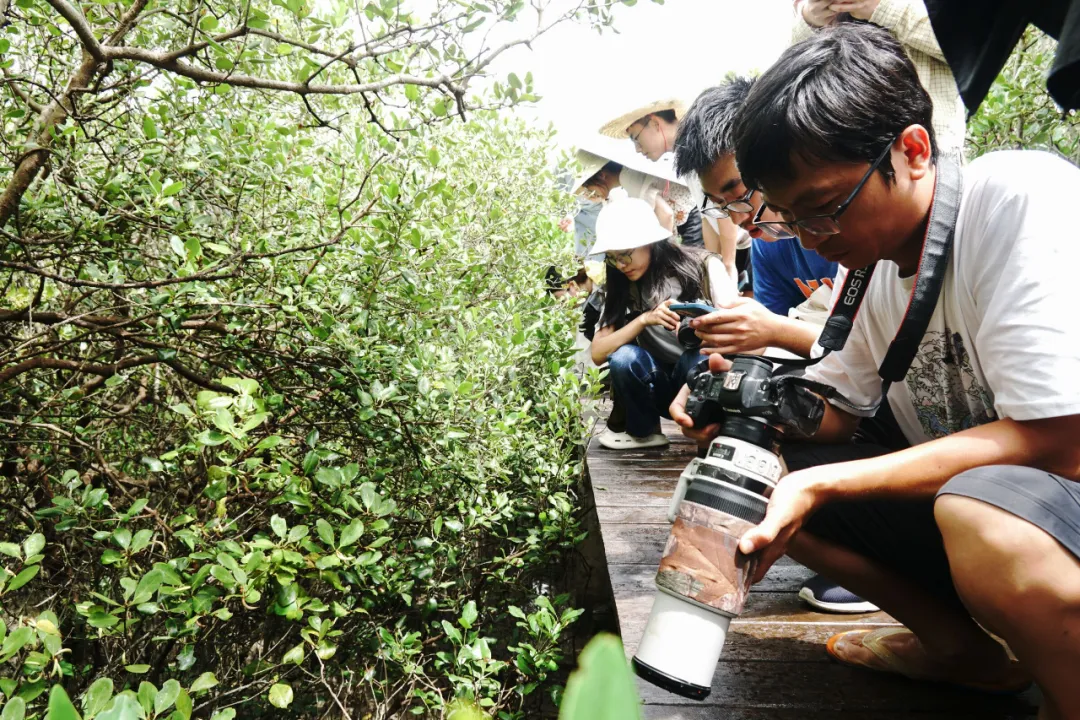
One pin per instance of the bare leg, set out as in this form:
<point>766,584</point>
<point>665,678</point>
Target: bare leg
<point>945,632</point>
<point>1016,578</point>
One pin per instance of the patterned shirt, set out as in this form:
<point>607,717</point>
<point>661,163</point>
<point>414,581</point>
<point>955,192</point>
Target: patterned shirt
<point>908,21</point>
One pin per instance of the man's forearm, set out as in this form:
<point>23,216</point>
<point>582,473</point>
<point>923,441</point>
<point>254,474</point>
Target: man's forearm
<point>920,471</point>
<point>796,336</point>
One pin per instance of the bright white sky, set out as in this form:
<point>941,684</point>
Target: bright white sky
<point>671,50</point>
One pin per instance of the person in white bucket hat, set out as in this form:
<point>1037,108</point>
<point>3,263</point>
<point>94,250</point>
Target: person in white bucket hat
<point>647,272</point>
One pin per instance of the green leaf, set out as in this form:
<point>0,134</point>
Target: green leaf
<point>97,696</point>
<point>149,128</point>
<point>123,707</point>
<point>10,548</point>
<point>351,533</point>
<point>16,640</point>
<point>60,707</point>
<point>123,538</point>
<point>33,545</point>
<point>468,615</point>
<point>166,696</point>
<point>23,577</point>
<point>183,704</point>
<point>279,526</point>
<point>147,693</point>
<point>204,682</point>
<point>173,188</point>
<point>325,532</point>
<point>102,620</point>
<point>14,709</point>
<point>602,688</point>
<point>281,695</point>
<point>226,714</point>
<point>137,669</point>
<point>208,23</point>
<point>296,655</point>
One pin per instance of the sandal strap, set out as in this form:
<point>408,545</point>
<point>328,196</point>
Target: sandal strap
<point>873,641</point>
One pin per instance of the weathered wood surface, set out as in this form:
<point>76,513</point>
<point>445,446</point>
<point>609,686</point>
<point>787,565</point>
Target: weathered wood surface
<point>774,664</point>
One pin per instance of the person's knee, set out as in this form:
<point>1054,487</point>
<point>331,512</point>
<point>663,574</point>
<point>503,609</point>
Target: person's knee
<point>1003,567</point>
<point>622,360</point>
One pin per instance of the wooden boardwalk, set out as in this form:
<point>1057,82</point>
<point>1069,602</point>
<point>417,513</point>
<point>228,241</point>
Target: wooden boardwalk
<point>774,664</point>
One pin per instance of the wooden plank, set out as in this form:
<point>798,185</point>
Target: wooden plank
<point>651,498</point>
<point>768,641</point>
<point>779,686</point>
<point>631,515</point>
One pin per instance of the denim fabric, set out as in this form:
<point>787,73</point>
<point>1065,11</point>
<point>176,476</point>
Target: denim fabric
<point>644,387</point>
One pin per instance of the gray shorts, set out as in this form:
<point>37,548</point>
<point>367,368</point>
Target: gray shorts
<point>1045,500</point>
<point>902,534</point>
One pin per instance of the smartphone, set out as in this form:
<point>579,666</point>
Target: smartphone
<point>692,310</point>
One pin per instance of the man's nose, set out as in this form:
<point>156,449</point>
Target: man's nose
<point>743,220</point>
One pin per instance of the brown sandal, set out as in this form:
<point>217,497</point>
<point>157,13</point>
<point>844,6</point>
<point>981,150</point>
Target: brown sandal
<point>883,659</point>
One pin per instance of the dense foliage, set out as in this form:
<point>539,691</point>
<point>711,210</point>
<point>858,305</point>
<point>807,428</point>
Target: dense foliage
<point>1018,112</point>
<point>288,419</point>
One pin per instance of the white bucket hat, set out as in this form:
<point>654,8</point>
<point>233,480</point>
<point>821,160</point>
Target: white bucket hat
<point>591,164</point>
<point>626,223</point>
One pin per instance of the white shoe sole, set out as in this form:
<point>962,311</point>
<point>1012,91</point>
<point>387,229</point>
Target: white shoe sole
<point>838,608</point>
<point>654,441</point>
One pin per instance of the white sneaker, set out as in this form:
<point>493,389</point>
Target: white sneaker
<point>624,441</point>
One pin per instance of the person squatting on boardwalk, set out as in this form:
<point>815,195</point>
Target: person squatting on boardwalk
<point>647,272</point>
<point>976,527</point>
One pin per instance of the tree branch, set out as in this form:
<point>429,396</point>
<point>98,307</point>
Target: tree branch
<point>82,28</point>
<point>102,369</point>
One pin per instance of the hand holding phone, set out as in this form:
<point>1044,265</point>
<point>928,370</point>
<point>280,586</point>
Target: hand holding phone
<point>691,310</point>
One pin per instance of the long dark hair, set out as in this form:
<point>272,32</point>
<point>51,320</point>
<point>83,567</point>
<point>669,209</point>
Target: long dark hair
<point>666,261</point>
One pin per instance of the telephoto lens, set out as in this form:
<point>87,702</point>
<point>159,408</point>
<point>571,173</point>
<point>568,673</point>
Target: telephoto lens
<point>703,580</point>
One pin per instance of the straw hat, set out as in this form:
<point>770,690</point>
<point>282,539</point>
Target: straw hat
<point>626,223</point>
<point>617,128</point>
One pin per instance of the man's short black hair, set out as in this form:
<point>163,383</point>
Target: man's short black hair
<point>839,96</point>
<point>705,131</point>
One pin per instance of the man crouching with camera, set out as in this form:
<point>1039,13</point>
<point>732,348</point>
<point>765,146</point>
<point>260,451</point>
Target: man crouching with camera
<point>977,524</point>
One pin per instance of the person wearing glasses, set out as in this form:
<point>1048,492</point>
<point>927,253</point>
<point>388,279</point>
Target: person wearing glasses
<point>975,528</point>
<point>652,128</point>
<point>785,276</point>
<point>647,272</point>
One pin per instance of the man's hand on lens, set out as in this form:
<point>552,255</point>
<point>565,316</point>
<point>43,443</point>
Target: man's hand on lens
<point>739,325</point>
<point>677,410</point>
<point>792,503</point>
<point>817,13</point>
<point>860,9</point>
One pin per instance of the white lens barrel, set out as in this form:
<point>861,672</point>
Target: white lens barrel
<point>683,642</point>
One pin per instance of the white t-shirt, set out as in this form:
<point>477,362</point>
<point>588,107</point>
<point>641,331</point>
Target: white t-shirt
<point>1004,340</point>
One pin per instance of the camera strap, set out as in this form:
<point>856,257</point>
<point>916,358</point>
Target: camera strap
<point>929,279</point>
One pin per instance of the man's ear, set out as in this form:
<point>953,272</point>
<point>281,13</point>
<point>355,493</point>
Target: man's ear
<point>915,145</point>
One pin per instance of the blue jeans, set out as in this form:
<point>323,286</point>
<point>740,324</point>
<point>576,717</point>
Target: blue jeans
<point>645,387</point>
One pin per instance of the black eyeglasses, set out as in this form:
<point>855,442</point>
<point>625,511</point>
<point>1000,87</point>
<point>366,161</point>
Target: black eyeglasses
<point>644,127</point>
<point>828,224</point>
<point>742,205</point>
